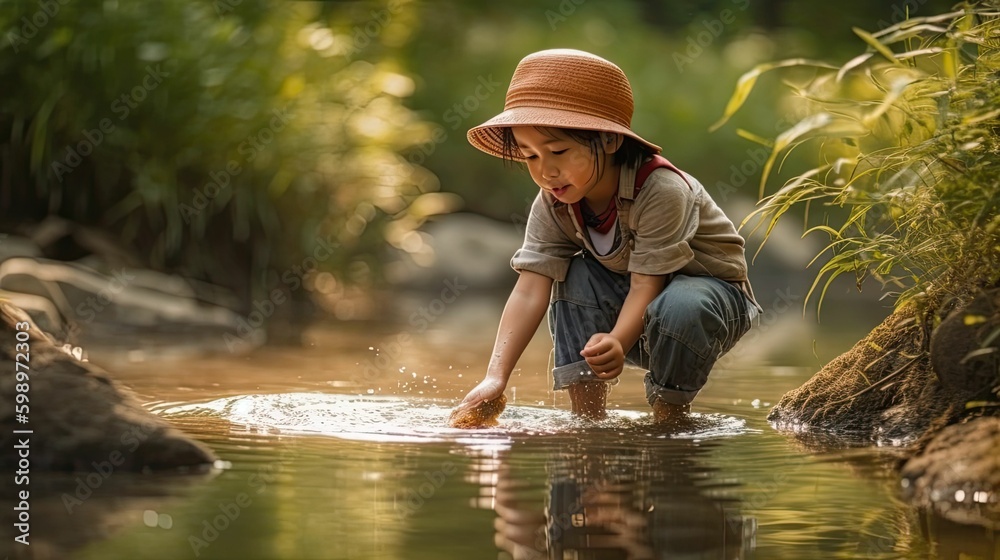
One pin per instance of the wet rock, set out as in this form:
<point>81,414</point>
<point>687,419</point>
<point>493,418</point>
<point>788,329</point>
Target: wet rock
<point>957,474</point>
<point>80,419</point>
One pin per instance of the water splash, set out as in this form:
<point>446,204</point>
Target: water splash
<point>393,419</point>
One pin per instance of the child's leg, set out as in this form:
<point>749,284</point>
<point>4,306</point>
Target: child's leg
<point>690,325</point>
<point>586,303</point>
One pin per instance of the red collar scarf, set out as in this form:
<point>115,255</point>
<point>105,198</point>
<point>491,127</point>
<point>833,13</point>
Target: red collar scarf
<point>602,222</point>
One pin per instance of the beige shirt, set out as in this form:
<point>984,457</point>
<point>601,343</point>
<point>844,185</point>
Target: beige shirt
<point>670,227</point>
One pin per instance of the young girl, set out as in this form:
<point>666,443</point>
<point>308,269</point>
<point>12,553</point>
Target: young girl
<point>630,256</point>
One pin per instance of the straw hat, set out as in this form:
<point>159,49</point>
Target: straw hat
<point>562,88</point>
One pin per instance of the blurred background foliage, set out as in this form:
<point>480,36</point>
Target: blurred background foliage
<point>377,96</point>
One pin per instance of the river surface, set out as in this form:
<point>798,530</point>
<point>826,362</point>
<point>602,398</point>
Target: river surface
<point>341,449</point>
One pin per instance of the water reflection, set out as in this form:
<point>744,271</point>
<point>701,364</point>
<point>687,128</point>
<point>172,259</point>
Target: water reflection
<point>68,511</point>
<point>607,498</point>
<point>371,470</point>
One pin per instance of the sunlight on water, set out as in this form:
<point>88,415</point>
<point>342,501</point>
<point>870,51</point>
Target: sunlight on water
<point>390,419</point>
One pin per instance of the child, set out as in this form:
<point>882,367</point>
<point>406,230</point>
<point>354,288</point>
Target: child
<point>630,256</point>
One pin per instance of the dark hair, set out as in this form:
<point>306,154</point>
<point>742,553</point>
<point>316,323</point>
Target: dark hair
<point>631,153</point>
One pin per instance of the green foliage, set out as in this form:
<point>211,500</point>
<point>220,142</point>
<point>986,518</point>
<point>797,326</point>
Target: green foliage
<point>344,71</point>
<point>907,138</point>
<point>223,139</point>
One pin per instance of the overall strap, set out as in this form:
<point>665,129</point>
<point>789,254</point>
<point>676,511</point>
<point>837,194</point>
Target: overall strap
<point>641,174</point>
<point>657,162</point>
<point>622,211</point>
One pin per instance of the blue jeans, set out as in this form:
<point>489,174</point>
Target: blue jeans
<point>687,328</point>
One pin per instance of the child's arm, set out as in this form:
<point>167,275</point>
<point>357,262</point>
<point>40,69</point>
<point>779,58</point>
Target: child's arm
<point>526,306</point>
<point>605,352</point>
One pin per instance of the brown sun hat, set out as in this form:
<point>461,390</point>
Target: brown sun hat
<point>562,88</point>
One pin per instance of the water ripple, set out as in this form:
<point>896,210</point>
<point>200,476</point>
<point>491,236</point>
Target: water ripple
<point>392,419</point>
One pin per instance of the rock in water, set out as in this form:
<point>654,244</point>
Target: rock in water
<point>957,474</point>
<point>80,419</point>
<point>482,416</point>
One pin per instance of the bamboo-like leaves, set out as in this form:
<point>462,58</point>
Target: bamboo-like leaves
<point>875,44</point>
<point>912,149</point>
<point>748,80</point>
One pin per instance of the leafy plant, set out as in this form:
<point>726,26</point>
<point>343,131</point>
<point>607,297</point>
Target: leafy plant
<point>906,135</point>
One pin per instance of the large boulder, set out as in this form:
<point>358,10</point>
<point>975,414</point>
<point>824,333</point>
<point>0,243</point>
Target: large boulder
<point>80,420</point>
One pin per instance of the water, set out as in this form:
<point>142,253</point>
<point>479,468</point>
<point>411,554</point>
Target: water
<point>341,450</point>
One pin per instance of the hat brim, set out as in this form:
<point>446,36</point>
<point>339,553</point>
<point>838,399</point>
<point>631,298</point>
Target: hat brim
<point>488,136</point>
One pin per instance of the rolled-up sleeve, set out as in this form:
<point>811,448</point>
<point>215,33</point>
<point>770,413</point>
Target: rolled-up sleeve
<point>665,219</point>
<point>546,249</point>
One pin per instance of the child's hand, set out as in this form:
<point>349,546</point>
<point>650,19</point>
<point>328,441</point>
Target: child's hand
<point>487,390</point>
<point>481,406</point>
<point>605,356</point>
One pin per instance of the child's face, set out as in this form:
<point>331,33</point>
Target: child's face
<point>564,167</point>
